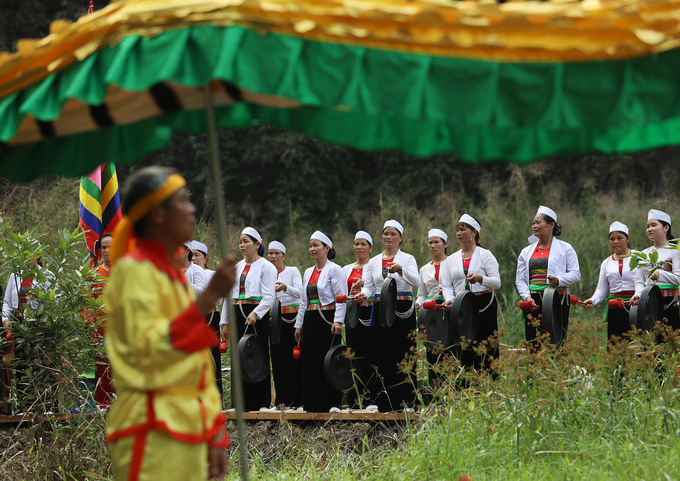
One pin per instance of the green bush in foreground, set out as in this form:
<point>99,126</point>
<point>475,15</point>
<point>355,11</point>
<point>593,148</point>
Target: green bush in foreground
<point>581,412</point>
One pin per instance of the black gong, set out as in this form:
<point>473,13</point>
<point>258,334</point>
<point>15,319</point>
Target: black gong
<point>551,315</point>
<point>254,362</point>
<point>352,314</point>
<point>437,326</point>
<point>275,323</point>
<point>388,302</point>
<point>649,309</point>
<point>464,317</point>
<point>338,368</point>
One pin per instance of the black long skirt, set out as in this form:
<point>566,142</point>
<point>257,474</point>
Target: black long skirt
<point>530,332</point>
<point>362,340</point>
<point>488,328</point>
<point>214,322</point>
<point>256,395</point>
<point>394,345</point>
<point>672,312</point>
<point>618,324</point>
<point>286,370</point>
<point>435,355</point>
<point>318,395</point>
<point>671,316</point>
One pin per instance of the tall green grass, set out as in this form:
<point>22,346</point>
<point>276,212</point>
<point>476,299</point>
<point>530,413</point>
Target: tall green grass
<point>578,413</point>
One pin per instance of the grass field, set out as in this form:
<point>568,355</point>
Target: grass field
<point>583,412</point>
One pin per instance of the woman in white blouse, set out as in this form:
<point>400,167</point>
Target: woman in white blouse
<point>431,286</point>
<point>474,268</point>
<point>361,339</point>
<point>200,258</point>
<point>394,344</point>
<point>546,262</point>
<point>286,370</point>
<point>616,281</point>
<point>193,273</point>
<point>659,232</point>
<point>253,296</point>
<point>318,325</point>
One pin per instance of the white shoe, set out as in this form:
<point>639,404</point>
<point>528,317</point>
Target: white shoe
<point>409,410</point>
<point>301,408</point>
<point>232,410</point>
<point>264,410</point>
<point>371,407</point>
<point>334,410</point>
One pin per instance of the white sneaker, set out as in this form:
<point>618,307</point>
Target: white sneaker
<point>371,407</point>
<point>232,410</point>
<point>301,408</point>
<point>264,410</point>
<point>334,410</point>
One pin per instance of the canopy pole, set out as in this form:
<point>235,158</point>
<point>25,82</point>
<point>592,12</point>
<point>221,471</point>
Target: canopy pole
<point>236,380</point>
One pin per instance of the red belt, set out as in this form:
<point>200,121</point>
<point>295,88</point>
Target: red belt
<point>623,294</point>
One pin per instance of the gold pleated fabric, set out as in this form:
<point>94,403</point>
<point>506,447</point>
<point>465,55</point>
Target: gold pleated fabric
<point>513,32</point>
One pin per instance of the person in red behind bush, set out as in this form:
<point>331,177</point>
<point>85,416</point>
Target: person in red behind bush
<point>166,422</point>
<point>104,390</point>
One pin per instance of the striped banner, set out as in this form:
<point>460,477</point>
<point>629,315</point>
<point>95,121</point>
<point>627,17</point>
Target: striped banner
<point>100,210</point>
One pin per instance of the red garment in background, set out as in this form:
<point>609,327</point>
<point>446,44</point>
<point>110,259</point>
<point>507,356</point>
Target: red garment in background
<point>104,390</point>
<point>354,276</point>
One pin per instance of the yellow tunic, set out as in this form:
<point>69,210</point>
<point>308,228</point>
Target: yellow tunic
<point>157,342</point>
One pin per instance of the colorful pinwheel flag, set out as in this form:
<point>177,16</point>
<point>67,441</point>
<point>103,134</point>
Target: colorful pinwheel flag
<point>100,210</point>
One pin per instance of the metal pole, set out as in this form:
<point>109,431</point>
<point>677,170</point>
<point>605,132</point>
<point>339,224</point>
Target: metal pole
<point>236,380</point>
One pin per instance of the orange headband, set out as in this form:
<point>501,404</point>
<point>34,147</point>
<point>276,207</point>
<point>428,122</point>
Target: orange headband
<point>124,237</point>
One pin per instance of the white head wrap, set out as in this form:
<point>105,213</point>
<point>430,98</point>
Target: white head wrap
<point>252,233</point>
<point>188,244</point>
<point>320,236</point>
<point>199,246</point>
<point>547,211</point>
<point>659,215</point>
<point>469,220</point>
<point>437,233</point>
<point>362,234</point>
<point>395,224</point>
<point>618,227</point>
<point>276,245</point>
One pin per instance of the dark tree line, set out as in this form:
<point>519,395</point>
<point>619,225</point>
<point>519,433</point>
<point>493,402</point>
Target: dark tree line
<point>277,178</point>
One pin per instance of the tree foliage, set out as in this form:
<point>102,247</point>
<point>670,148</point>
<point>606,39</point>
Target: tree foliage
<point>31,18</point>
<point>282,180</point>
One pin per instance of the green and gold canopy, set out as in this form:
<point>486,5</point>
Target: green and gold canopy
<point>486,81</point>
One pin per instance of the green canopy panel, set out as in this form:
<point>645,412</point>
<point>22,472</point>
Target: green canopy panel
<point>128,96</point>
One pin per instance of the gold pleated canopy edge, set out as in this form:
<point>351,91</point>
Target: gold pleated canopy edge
<point>510,32</point>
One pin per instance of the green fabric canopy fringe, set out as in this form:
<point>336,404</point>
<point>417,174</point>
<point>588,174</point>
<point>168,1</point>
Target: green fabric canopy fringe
<point>365,98</point>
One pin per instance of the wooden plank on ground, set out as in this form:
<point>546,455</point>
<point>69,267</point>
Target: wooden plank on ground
<point>296,416</point>
<point>352,416</point>
<point>6,421</point>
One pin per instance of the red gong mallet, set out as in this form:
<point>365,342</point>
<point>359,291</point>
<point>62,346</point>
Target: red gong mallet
<point>340,299</point>
<point>224,345</point>
<point>297,352</point>
<point>573,300</point>
<point>430,305</point>
<point>616,304</point>
<point>9,336</point>
<point>527,306</point>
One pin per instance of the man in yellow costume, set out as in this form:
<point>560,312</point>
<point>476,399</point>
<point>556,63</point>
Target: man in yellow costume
<point>166,423</point>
